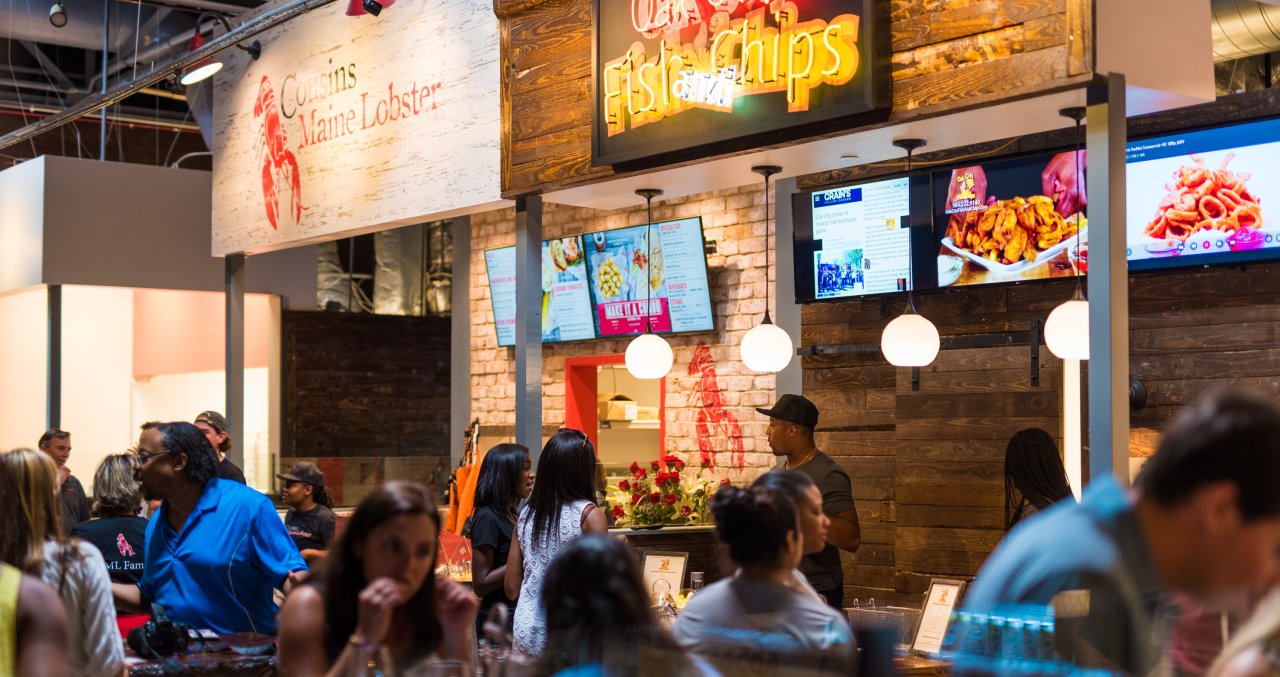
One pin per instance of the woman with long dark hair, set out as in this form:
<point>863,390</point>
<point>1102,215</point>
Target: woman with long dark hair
<point>32,541</point>
<point>598,615</point>
<point>560,509</point>
<point>504,480</point>
<point>1034,478</point>
<point>378,591</point>
<point>755,610</point>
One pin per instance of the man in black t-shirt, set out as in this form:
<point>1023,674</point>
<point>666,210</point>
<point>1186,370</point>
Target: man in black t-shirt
<point>214,427</point>
<point>310,519</point>
<point>75,505</point>
<point>791,424</point>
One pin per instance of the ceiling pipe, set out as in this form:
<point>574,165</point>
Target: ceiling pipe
<point>120,92</point>
<point>153,53</point>
<point>141,121</point>
<point>1244,28</point>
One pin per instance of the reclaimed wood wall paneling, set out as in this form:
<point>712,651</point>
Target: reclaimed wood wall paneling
<point>944,52</point>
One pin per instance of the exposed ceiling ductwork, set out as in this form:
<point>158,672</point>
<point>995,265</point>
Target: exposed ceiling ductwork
<point>1244,28</point>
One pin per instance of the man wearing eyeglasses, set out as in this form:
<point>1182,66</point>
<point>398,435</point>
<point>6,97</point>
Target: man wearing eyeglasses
<point>75,506</point>
<point>215,550</point>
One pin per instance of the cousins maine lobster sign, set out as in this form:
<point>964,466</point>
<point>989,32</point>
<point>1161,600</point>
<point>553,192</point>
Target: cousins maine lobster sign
<point>703,77</point>
<point>355,124</point>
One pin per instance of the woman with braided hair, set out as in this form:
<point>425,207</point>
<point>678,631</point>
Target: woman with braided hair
<point>1034,478</point>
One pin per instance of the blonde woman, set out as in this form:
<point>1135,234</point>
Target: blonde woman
<point>1254,651</point>
<point>31,541</point>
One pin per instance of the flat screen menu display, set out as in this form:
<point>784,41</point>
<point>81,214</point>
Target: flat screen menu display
<point>566,295</point>
<point>861,246</point>
<point>1204,196</point>
<point>1011,220</point>
<point>500,264</point>
<point>672,275</point>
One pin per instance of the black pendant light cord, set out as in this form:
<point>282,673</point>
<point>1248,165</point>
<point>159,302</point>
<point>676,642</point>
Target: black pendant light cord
<point>767,171</point>
<point>648,267</point>
<point>648,194</point>
<point>911,146</point>
<point>1077,113</point>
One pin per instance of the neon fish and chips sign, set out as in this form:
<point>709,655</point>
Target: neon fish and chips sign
<point>675,75</point>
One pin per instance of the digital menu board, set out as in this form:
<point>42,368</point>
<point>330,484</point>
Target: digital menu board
<point>1198,197</point>
<point>566,297</point>
<point>500,264</point>
<point>1011,220</point>
<point>860,244</point>
<point>671,275</point>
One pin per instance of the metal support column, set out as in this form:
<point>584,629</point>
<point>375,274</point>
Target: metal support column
<point>234,268</point>
<point>106,63</point>
<point>1108,282</point>
<point>53,376</point>
<point>786,313</point>
<point>529,324</point>
<point>459,339</point>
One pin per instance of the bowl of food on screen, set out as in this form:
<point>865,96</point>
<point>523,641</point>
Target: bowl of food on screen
<point>949,269</point>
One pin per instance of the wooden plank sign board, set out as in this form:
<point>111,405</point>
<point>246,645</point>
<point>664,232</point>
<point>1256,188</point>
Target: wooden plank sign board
<point>351,124</point>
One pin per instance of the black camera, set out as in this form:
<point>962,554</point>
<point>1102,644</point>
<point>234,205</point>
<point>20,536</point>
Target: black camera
<point>160,636</point>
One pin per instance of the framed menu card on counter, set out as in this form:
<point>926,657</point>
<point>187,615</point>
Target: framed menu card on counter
<point>664,572</point>
<point>936,615</point>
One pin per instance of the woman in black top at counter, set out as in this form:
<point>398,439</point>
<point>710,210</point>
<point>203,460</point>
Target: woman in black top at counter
<point>117,531</point>
<point>505,479</point>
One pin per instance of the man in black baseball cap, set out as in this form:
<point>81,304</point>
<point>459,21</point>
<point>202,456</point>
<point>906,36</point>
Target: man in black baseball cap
<point>310,519</point>
<point>791,424</point>
<point>214,427</point>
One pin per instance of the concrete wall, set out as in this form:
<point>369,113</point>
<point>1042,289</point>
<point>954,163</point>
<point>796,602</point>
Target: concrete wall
<point>21,222</point>
<point>125,225</point>
<point>24,353</point>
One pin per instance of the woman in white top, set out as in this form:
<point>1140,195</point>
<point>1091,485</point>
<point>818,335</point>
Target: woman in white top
<point>75,569</point>
<point>754,616</point>
<point>813,521</point>
<point>560,509</point>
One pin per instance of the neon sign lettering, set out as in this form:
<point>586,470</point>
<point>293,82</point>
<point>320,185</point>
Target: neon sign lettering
<point>714,92</point>
<point>768,49</point>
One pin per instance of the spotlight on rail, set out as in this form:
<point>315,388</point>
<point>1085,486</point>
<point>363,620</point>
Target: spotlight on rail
<point>57,15</point>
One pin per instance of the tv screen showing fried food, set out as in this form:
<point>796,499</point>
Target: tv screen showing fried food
<point>1012,220</point>
<point>1198,197</point>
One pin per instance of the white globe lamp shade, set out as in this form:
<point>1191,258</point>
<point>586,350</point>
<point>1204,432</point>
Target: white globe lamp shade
<point>910,341</point>
<point>649,356</point>
<point>767,348</point>
<point>1067,330</point>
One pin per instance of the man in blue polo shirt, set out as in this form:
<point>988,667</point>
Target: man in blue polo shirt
<point>216,550</point>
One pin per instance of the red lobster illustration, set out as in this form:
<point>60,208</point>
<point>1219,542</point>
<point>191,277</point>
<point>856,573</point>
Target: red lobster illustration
<point>278,162</point>
<point>123,546</point>
<point>717,426</point>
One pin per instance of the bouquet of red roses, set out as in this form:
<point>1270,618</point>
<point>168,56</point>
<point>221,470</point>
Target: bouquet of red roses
<point>664,498</point>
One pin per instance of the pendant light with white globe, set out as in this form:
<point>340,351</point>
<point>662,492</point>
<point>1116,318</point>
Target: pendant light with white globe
<point>910,340</point>
<point>1066,332</point>
<point>649,356</point>
<point>766,347</point>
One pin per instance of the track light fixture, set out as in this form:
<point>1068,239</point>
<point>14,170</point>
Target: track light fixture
<point>57,15</point>
<point>206,68</point>
<point>374,7</point>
